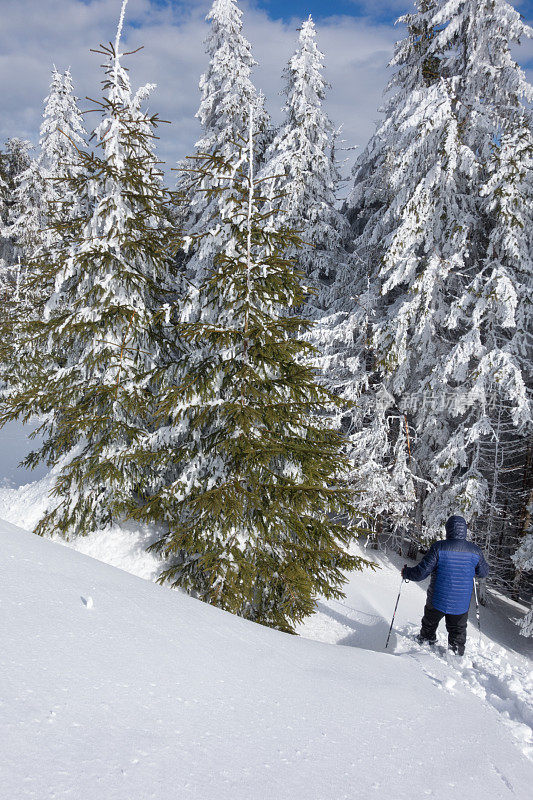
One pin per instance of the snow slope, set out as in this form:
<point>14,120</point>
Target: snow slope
<point>112,687</point>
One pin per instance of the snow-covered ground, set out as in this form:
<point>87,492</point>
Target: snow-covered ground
<point>112,687</point>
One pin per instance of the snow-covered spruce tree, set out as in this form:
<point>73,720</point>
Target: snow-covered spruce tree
<point>102,326</point>
<point>227,94</point>
<point>62,135</point>
<point>26,218</point>
<point>39,203</point>
<point>39,187</point>
<point>486,370</point>
<point>34,190</point>
<point>259,517</point>
<point>38,199</point>
<point>424,234</point>
<point>301,159</point>
<point>37,196</point>
<point>414,237</point>
<point>6,286</point>
<point>4,188</point>
<point>423,237</point>
<point>411,134</point>
<point>27,222</point>
<point>490,364</point>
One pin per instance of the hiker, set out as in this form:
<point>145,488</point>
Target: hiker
<point>452,563</point>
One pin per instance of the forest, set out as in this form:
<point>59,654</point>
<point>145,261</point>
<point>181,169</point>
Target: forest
<point>264,371</point>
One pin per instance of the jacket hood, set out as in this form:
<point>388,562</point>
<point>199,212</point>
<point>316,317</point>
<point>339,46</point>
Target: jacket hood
<point>456,528</point>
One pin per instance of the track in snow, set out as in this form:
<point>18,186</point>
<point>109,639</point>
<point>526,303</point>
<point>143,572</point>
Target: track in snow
<point>485,670</point>
<point>501,676</point>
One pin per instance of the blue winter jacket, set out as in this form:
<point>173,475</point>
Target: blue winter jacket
<point>452,564</point>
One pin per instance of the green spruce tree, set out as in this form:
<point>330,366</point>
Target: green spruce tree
<point>257,516</point>
<point>102,324</point>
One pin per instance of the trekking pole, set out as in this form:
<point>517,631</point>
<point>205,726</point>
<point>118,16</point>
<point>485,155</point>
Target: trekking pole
<point>477,611</point>
<point>395,609</point>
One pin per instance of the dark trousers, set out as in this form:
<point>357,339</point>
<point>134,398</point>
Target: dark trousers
<point>455,625</point>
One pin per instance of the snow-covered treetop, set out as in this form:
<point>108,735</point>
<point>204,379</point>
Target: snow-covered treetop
<point>307,133</point>
<point>306,86</point>
<point>300,164</point>
<point>119,29</point>
<point>227,91</point>
<point>122,108</point>
<point>300,154</point>
<point>118,82</point>
<point>40,188</point>
<point>475,37</point>
<point>226,12</point>
<point>62,127</point>
<point>417,63</point>
<point>228,94</point>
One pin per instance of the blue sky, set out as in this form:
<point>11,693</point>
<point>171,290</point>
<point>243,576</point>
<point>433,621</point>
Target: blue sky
<point>378,10</point>
<point>382,10</point>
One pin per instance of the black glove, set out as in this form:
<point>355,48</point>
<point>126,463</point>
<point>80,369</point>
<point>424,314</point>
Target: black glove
<point>403,570</point>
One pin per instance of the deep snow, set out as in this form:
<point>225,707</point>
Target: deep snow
<point>113,687</point>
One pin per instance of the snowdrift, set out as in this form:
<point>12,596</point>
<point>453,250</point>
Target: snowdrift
<point>115,688</point>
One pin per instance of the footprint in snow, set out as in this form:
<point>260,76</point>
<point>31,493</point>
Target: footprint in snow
<point>87,602</point>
